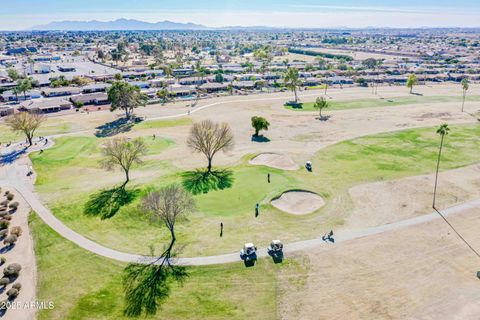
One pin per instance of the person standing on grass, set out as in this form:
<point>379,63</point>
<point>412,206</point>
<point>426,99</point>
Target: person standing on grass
<point>268,177</point>
<point>221,229</point>
<point>257,209</point>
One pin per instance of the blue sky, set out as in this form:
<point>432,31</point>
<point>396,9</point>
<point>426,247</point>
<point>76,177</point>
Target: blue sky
<point>21,14</point>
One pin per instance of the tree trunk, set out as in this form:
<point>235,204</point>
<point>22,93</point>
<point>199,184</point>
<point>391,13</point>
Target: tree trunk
<point>295,92</point>
<point>127,114</point>
<point>29,138</point>
<point>463,102</point>
<point>320,113</point>
<point>436,172</point>
<point>209,168</point>
<point>127,178</point>
<point>411,89</point>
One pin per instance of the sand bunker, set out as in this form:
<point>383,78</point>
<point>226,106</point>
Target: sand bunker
<point>274,160</point>
<point>298,202</point>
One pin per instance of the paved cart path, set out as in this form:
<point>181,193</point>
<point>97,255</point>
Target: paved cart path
<point>14,176</point>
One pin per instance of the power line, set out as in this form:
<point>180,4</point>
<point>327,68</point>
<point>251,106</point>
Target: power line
<point>458,234</point>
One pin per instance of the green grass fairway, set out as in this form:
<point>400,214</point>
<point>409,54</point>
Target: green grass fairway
<point>387,102</point>
<point>85,286</point>
<point>336,169</point>
<point>75,163</point>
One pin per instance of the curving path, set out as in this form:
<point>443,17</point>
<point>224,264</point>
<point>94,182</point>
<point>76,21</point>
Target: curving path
<point>14,176</point>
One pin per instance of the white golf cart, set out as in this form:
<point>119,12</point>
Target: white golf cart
<point>249,252</point>
<point>308,166</point>
<point>275,249</point>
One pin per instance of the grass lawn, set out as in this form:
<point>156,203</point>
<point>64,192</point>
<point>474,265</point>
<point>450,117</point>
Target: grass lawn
<point>389,102</point>
<point>85,286</point>
<point>336,169</point>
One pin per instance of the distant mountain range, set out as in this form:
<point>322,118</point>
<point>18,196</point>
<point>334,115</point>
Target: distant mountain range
<point>119,24</point>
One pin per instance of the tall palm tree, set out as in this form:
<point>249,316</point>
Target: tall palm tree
<point>442,131</point>
<point>292,81</point>
<point>465,86</point>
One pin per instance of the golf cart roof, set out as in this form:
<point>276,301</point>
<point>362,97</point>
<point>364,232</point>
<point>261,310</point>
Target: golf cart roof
<point>276,242</point>
<point>249,245</point>
<point>309,162</point>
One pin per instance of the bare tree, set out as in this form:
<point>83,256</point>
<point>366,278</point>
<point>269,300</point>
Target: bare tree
<point>123,153</point>
<point>25,122</point>
<point>208,137</point>
<point>169,205</point>
<point>147,286</point>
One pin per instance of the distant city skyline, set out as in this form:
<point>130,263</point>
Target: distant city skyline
<point>23,14</point>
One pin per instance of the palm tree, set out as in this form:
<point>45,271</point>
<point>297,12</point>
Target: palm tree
<point>24,86</point>
<point>16,91</point>
<point>465,86</point>
<point>292,81</point>
<point>442,131</point>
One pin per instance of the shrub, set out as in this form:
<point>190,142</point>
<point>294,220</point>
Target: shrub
<point>13,205</point>
<point>4,224</point>
<point>2,260</point>
<point>10,196</point>
<point>3,212</point>
<point>12,270</point>
<point>4,203</point>
<point>17,286</point>
<point>7,193</point>
<point>17,231</point>
<point>3,233</point>
<point>6,217</point>
<point>11,239</point>
<point>4,281</point>
<point>12,293</point>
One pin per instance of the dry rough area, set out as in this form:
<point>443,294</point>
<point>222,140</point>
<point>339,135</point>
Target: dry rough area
<point>298,202</point>
<point>389,201</point>
<point>420,272</point>
<point>274,160</point>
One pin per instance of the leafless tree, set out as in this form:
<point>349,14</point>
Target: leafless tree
<point>123,153</point>
<point>208,137</point>
<point>147,286</point>
<point>25,122</point>
<point>169,205</point>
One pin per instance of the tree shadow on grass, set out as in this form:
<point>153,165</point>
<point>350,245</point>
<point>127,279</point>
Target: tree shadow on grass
<point>260,138</point>
<point>106,203</point>
<point>201,181</point>
<point>294,105</point>
<point>115,127</point>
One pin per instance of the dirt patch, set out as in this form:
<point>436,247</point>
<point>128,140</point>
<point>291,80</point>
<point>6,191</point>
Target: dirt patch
<point>432,115</point>
<point>274,160</point>
<point>425,271</point>
<point>389,201</point>
<point>298,202</point>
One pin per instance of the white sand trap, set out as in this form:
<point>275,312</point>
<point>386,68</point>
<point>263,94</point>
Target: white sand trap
<point>298,202</point>
<point>274,160</point>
